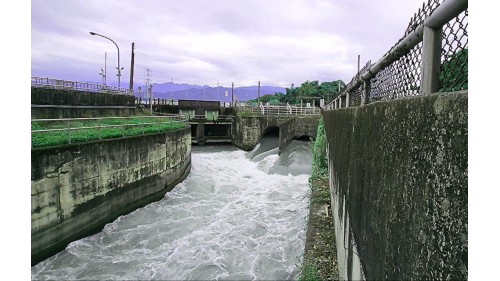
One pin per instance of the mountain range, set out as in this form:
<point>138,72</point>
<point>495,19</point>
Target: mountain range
<point>196,92</point>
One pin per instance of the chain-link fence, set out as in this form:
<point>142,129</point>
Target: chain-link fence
<point>398,73</point>
<point>454,55</point>
<point>356,93</point>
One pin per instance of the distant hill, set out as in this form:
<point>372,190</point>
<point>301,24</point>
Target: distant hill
<point>196,92</point>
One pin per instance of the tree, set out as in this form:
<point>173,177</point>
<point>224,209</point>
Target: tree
<point>454,72</point>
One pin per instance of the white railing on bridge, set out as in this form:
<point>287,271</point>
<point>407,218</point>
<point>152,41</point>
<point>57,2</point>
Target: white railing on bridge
<point>268,109</point>
<point>61,84</point>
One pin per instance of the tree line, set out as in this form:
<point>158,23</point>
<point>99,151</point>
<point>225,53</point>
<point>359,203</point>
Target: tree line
<point>308,89</point>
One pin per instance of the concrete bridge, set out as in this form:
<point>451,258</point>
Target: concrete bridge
<point>249,130</point>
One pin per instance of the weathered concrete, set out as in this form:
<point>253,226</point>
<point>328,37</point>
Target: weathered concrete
<point>52,104</point>
<point>77,189</point>
<point>287,134</point>
<point>296,128</point>
<point>398,183</point>
<point>247,131</point>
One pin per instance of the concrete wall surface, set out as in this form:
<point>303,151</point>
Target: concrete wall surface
<point>77,189</point>
<point>249,130</point>
<point>399,188</point>
<point>52,104</point>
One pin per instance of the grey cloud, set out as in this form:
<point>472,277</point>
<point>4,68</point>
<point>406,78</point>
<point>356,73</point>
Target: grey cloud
<point>62,46</point>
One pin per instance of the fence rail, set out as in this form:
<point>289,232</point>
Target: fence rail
<point>67,85</point>
<point>64,124</point>
<point>278,110</point>
<point>431,57</point>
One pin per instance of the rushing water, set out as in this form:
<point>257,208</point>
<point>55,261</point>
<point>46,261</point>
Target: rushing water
<point>237,216</point>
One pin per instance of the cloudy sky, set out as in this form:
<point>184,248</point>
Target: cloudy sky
<point>278,42</point>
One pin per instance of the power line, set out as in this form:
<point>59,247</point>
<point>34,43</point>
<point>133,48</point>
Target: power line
<point>245,58</point>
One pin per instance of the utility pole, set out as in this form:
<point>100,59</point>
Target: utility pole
<point>358,62</point>
<point>232,92</point>
<point>148,80</point>
<point>131,86</point>
<point>258,94</point>
<point>151,98</point>
<point>103,71</point>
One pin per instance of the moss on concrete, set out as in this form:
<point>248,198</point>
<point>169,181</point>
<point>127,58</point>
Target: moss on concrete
<point>402,168</point>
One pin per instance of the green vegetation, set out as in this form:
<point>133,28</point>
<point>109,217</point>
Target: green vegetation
<point>320,162</point>
<point>246,112</point>
<point>320,258</point>
<point>326,90</point>
<point>43,139</point>
<point>455,71</point>
<point>309,273</point>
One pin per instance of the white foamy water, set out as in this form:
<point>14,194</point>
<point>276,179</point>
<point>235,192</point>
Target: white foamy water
<point>229,220</point>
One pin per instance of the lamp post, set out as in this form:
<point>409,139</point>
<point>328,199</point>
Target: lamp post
<point>119,69</point>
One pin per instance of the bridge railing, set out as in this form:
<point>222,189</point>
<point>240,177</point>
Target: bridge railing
<point>212,118</point>
<point>71,130</point>
<point>279,110</point>
<point>67,85</point>
<point>431,57</point>
<point>157,101</point>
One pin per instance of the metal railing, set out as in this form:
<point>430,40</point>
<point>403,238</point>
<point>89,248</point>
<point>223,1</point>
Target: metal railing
<point>101,124</point>
<point>279,110</point>
<point>220,118</point>
<point>60,84</point>
<point>157,101</point>
<point>431,57</point>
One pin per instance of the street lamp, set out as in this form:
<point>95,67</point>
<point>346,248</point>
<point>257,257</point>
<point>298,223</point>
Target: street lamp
<point>119,69</point>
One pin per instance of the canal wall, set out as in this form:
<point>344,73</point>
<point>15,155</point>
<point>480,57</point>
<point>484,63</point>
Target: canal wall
<point>398,178</point>
<point>47,103</point>
<point>76,189</point>
<point>249,130</point>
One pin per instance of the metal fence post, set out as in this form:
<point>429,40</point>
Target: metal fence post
<point>69,132</point>
<point>365,98</point>
<point>431,59</point>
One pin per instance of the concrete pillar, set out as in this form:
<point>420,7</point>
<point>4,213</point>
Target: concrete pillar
<point>201,133</point>
<point>431,60</point>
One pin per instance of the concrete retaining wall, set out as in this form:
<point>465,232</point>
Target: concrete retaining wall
<point>52,104</point>
<point>77,189</point>
<point>249,130</point>
<point>398,182</point>
<point>287,133</point>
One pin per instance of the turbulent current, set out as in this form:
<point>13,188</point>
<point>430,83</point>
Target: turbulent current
<point>237,216</point>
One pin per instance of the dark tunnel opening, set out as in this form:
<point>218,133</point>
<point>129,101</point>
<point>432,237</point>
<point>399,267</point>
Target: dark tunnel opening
<point>272,131</point>
<point>304,138</point>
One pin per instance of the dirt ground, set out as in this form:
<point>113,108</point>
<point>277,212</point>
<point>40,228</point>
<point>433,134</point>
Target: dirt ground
<point>320,256</point>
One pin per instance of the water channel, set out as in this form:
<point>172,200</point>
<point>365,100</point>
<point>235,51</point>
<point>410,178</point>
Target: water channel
<point>237,216</point>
